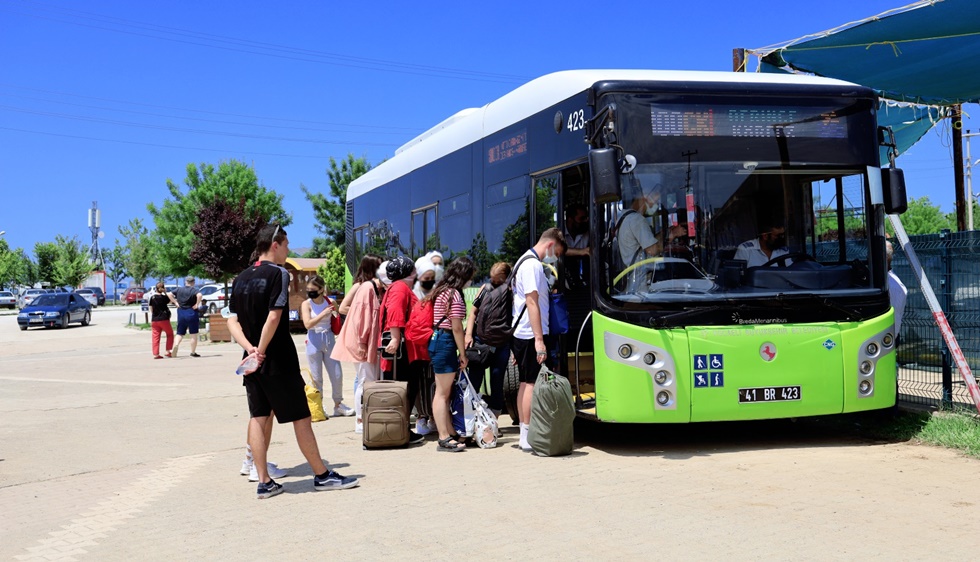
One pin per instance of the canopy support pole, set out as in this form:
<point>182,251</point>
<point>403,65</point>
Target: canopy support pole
<point>961,199</point>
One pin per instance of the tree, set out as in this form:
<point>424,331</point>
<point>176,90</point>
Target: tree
<point>333,269</point>
<point>224,238</point>
<point>115,263</point>
<point>45,253</point>
<point>71,265</point>
<point>28,271</point>
<point>10,264</point>
<point>329,209</point>
<point>922,217</point>
<point>139,255</point>
<point>232,181</point>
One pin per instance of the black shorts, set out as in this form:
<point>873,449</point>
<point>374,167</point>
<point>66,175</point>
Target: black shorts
<point>282,393</point>
<point>526,358</point>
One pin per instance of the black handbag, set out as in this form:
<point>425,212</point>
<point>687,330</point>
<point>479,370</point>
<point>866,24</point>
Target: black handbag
<point>479,353</point>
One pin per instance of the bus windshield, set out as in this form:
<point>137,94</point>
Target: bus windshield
<point>740,200</point>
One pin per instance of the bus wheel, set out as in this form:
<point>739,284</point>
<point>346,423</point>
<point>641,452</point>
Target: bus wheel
<point>512,383</point>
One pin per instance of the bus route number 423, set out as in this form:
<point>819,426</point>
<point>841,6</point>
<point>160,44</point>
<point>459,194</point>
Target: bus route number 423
<point>576,120</point>
<point>769,394</point>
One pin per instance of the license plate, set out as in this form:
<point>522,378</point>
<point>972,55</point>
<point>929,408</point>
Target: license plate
<point>35,320</point>
<point>294,315</point>
<point>769,394</point>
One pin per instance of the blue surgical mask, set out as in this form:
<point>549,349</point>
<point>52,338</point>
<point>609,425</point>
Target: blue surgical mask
<point>550,257</point>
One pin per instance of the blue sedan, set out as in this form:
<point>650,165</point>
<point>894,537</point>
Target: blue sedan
<point>55,309</point>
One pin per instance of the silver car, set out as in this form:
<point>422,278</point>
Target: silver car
<point>28,296</point>
<point>90,296</point>
<point>8,300</point>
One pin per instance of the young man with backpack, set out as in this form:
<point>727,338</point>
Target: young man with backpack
<point>530,313</point>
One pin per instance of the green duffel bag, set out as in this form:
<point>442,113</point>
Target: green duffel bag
<point>551,432</point>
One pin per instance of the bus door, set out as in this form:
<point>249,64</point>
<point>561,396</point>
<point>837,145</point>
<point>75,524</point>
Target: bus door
<point>561,200</point>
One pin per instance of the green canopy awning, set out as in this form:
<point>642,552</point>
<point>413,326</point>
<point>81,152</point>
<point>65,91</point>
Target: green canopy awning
<point>927,52</point>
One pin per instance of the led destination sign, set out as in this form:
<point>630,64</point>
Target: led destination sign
<point>700,120</point>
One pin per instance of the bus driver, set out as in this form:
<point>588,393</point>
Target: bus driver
<point>770,244</point>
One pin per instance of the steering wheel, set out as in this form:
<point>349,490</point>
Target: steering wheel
<point>781,260</point>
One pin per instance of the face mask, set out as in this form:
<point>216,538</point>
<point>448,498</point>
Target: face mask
<point>313,294</point>
<point>440,271</point>
<point>427,285</point>
<point>550,257</point>
<point>651,210</point>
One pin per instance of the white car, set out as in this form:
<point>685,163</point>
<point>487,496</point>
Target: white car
<point>7,299</point>
<point>214,301</point>
<point>90,296</point>
<point>29,295</point>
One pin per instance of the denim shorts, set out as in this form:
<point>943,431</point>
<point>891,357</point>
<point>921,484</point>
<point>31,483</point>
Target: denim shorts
<point>442,352</point>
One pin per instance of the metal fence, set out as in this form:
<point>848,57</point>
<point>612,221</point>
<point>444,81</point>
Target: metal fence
<point>926,372</point>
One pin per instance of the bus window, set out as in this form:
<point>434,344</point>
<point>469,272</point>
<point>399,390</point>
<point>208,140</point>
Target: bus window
<point>425,234</point>
<point>545,205</point>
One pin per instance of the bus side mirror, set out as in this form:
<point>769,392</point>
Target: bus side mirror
<point>893,191</point>
<point>604,170</point>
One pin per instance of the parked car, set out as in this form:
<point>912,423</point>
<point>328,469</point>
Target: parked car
<point>29,295</point>
<point>213,302</point>
<point>50,310</point>
<point>89,296</point>
<point>7,299</point>
<point>133,295</point>
<point>99,293</point>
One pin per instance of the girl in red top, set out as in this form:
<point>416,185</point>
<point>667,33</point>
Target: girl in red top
<point>447,348</point>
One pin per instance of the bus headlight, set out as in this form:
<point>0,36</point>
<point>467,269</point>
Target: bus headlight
<point>663,397</point>
<point>887,340</point>
<point>649,358</point>
<point>661,377</point>
<point>872,349</point>
<point>625,350</point>
<point>866,367</point>
<point>865,386</point>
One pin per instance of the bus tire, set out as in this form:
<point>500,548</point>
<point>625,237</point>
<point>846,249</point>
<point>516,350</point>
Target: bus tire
<point>512,383</point>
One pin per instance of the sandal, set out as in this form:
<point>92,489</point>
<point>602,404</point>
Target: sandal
<point>450,445</point>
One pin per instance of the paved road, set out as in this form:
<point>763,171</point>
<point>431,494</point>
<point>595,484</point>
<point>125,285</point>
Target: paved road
<point>106,454</point>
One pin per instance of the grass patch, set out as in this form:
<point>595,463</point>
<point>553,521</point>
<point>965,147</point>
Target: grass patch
<point>955,430</point>
<point>958,430</point>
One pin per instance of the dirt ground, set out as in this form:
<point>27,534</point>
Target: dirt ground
<point>107,454</point>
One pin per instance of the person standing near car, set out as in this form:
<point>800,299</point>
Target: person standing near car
<point>160,314</point>
<point>188,300</point>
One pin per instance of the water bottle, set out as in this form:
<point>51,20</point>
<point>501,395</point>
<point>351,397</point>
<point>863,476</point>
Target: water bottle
<point>249,365</point>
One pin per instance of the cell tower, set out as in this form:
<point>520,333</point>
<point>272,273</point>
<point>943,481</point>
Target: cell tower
<point>94,225</point>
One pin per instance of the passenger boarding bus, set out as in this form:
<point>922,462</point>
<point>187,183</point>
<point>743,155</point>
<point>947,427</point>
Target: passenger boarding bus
<point>733,263</point>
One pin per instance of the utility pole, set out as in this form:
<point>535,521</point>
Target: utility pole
<point>969,179</point>
<point>957,119</point>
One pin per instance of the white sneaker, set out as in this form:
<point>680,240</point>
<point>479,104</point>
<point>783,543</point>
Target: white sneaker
<point>246,467</point>
<point>274,472</point>
<point>422,426</point>
<point>343,410</point>
<point>358,427</point>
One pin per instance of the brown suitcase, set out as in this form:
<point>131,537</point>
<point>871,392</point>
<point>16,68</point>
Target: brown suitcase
<point>385,414</point>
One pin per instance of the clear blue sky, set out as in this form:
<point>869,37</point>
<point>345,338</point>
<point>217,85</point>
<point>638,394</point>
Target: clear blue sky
<point>105,100</point>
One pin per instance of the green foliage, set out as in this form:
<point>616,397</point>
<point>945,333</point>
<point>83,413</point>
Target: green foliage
<point>45,253</point>
<point>10,265</point>
<point>333,269</point>
<point>27,274</point>
<point>329,209</point>
<point>115,264</point>
<point>922,217</point>
<point>232,181</point>
<point>71,264</point>
<point>139,255</point>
